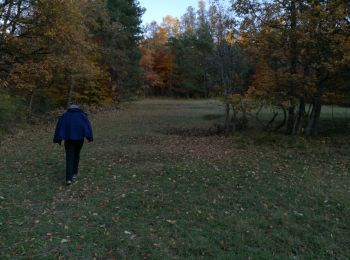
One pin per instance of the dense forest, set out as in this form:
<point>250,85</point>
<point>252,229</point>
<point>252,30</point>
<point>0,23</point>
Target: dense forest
<point>55,52</point>
<point>292,55</point>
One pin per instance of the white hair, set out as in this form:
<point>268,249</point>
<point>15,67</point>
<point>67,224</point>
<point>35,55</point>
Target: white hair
<point>72,106</point>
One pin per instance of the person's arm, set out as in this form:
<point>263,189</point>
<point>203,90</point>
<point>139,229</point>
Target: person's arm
<point>57,139</point>
<point>89,134</point>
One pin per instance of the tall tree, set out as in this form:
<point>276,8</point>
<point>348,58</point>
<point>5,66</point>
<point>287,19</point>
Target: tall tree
<point>326,31</point>
<point>188,20</point>
<point>121,45</point>
<point>171,25</point>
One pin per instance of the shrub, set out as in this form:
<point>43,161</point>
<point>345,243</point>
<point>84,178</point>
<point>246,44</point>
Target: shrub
<point>12,111</point>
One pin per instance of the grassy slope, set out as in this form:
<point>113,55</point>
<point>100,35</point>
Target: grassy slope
<point>143,194</point>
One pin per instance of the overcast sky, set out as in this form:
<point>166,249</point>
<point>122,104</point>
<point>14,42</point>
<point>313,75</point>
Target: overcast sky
<point>157,9</point>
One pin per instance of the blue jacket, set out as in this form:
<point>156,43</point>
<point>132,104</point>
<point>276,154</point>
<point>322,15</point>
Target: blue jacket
<point>73,125</point>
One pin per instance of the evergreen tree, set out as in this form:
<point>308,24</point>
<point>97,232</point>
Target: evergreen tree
<point>121,41</point>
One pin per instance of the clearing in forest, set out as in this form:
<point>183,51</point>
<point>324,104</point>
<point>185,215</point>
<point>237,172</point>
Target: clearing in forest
<point>145,192</point>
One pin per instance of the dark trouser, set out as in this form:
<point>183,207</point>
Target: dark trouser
<point>72,157</point>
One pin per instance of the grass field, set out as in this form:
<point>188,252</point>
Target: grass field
<point>144,194</point>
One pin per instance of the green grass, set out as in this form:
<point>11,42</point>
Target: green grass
<point>142,194</point>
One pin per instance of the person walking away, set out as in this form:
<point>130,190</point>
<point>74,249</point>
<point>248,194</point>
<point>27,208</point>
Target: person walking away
<point>73,127</point>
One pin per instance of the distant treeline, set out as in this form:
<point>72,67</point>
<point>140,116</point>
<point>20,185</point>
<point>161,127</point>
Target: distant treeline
<point>290,54</point>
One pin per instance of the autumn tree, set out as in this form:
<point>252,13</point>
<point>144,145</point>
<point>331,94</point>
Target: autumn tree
<point>58,58</point>
<point>55,51</point>
<point>171,25</point>
<point>325,52</point>
<point>296,43</point>
<point>149,49</point>
<point>157,60</point>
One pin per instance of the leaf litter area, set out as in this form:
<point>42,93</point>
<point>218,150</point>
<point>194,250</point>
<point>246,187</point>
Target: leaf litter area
<point>143,193</point>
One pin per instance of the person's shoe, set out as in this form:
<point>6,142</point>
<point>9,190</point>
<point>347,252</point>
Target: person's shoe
<point>69,183</point>
<point>75,176</point>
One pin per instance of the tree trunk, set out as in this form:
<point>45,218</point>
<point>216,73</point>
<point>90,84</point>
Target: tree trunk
<point>299,121</point>
<point>30,107</point>
<point>291,119</point>
<point>283,121</point>
<point>232,126</point>
<point>308,111</point>
<point>269,124</point>
<point>244,120</point>
<point>313,126</point>
<point>298,124</point>
<point>293,63</point>
<point>227,118</point>
<point>70,91</point>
